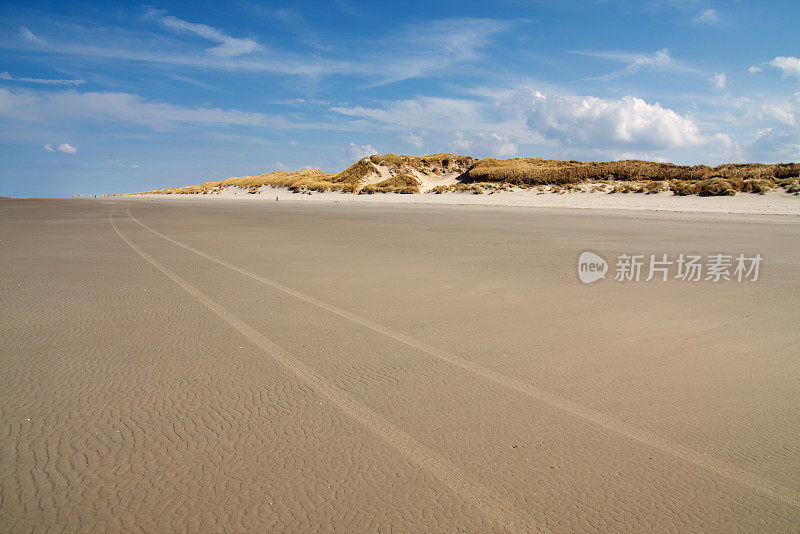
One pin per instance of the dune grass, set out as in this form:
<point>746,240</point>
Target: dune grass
<point>534,171</point>
<point>489,174</point>
<point>477,188</point>
<point>402,183</point>
<point>300,181</point>
<point>438,163</point>
<point>348,181</point>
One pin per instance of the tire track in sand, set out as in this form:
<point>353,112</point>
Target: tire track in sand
<point>492,505</point>
<point>744,478</point>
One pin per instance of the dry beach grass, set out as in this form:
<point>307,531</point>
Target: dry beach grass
<point>449,172</point>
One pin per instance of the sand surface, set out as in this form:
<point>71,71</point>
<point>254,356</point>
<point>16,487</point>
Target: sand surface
<point>773,203</point>
<point>179,364</point>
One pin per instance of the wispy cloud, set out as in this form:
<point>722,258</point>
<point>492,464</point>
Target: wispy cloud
<point>292,19</point>
<point>52,108</point>
<point>433,112</point>
<point>635,62</point>
<point>63,148</point>
<point>719,80</point>
<point>30,36</point>
<point>115,107</point>
<point>487,127</point>
<point>347,8</point>
<point>249,140</point>
<point>228,46</point>
<point>426,49</point>
<point>43,81</point>
<point>361,151</point>
<point>709,17</point>
<point>489,143</point>
<point>414,140</point>
<point>290,64</point>
<point>421,50</point>
<point>196,83</point>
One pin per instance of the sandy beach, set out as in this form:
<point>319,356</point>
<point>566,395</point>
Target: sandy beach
<point>773,203</point>
<point>341,363</point>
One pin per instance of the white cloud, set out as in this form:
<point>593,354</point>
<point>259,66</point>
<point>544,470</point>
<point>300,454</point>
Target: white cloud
<point>43,81</point>
<point>115,107</point>
<point>778,137</point>
<point>460,143</point>
<point>592,122</point>
<point>483,144</point>
<point>361,151</point>
<point>502,146</point>
<point>413,140</point>
<point>719,80</point>
<point>646,156</point>
<point>228,46</point>
<point>63,148</point>
<point>766,128</point>
<point>30,36</point>
<point>787,112</point>
<point>66,148</point>
<point>789,65</point>
<point>709,16</point>
<point>508,122</point>
<point>776,145</point>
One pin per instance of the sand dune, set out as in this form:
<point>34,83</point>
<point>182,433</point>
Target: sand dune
<point>439,173</point>
<point>311,366</point>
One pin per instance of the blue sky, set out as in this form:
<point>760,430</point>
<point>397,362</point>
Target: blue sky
<point>114,97</point>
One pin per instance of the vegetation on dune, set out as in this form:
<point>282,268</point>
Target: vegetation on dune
<point>792,186</point>
<point>492,175</point>
<point>533,171</point>
<point>397,165</point>
<point>356,173</point>
<point>437,163</point>
<point>474,188</point>
<point>300,181</point>
<point>349,180</point>
<point>402,183</point>
<point>313,179</point>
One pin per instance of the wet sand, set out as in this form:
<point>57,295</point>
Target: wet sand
<point>293,366</point>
